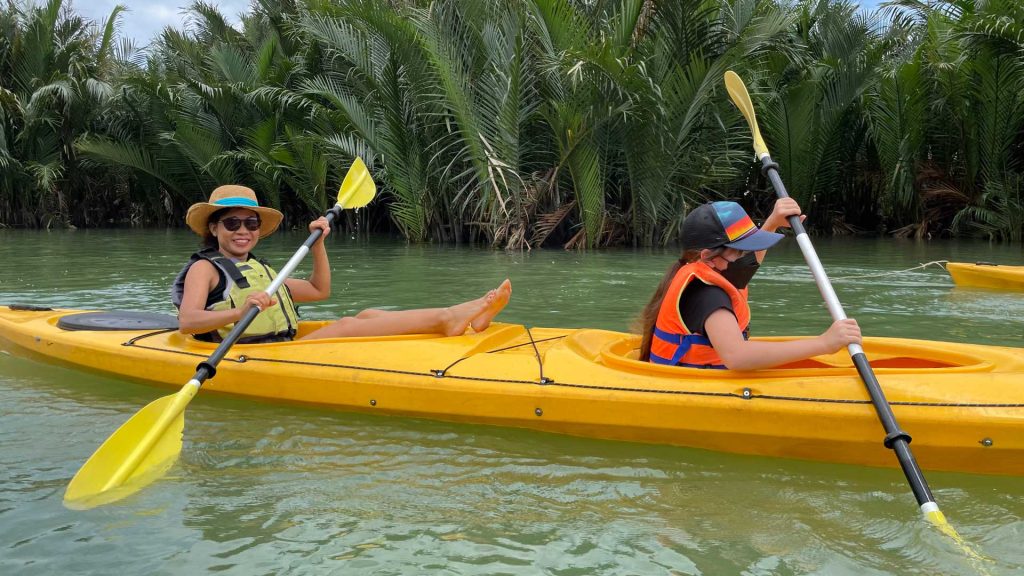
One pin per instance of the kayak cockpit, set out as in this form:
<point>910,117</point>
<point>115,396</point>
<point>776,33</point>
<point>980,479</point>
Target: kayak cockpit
<point>887,355</point>
<point>616,350</point>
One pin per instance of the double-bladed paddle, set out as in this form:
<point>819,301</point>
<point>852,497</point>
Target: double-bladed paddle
<point>895,437</point>
<point>145,446</point>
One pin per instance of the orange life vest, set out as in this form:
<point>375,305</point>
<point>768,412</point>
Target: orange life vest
<point>675,344</point>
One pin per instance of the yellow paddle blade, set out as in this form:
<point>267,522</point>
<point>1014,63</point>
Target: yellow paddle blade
<point>358,188</point>
<point>938,519</point>
<point>738,92</point>
<point>137,453</point>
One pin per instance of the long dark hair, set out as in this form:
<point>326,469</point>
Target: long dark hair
<point>649,315</point>
<point>209,240</point>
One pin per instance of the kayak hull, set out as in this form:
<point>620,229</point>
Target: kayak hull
<point>994,276</point>
<point>963,404</point>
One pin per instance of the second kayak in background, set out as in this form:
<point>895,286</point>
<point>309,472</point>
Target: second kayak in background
<point>987,275</point>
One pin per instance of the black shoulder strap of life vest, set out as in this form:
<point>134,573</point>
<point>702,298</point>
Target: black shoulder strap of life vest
<point>224,264</point>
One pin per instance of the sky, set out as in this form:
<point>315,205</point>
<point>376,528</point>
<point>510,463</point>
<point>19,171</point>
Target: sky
<point>146,18</point>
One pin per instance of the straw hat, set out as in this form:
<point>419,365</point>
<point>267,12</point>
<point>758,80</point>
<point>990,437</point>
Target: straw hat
<point>231,196</point>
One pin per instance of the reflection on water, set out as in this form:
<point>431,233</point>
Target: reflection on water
<point>264,489</point>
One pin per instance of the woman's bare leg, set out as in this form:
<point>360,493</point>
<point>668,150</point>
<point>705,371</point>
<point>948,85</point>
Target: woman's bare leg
<point>450,321</point>
<point>501,298</point>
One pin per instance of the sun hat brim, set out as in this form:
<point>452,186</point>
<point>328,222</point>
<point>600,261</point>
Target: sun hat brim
<point>198,215</point>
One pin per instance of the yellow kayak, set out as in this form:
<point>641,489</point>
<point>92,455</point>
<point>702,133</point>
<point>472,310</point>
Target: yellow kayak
<point>985,275</point>
<point>962,404</point>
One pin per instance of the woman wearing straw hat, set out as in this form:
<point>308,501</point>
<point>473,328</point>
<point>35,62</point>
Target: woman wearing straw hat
<point>222,281</point>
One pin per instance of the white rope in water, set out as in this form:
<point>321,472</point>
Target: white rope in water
<point>938,263</point>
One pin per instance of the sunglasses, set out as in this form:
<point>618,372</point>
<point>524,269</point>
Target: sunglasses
<point>232,223</point>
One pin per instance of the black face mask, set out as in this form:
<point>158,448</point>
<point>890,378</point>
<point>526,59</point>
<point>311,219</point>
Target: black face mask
<point>740,272</point>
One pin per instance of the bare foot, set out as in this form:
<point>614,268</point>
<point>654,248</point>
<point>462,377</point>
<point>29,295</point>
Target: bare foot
<point>457,318</point>
<point>501,298</point>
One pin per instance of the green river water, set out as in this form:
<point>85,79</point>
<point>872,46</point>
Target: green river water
<point>265,489</point>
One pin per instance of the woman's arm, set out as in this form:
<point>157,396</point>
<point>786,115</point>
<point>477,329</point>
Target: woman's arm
<point>739,354</point>
<point>318,287</point>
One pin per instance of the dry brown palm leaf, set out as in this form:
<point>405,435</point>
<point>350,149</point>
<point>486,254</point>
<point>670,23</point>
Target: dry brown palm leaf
<point>840,227</point>
<point>941,201</point>
<point>547,223</point>
<point>578,241</point>
<point>615,230</point>
<point>906,231</point>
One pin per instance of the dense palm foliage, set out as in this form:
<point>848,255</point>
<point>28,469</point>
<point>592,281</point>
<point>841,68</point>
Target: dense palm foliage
<point>520,123</point>
<point>56,70</point>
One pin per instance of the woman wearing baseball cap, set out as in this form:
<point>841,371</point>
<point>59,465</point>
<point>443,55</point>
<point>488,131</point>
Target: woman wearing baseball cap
<point>222,281</point>
<point>699,316</point>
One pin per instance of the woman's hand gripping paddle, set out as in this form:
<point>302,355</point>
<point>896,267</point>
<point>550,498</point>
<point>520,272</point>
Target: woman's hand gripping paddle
<point>895,438</point>
<point>145,446</point>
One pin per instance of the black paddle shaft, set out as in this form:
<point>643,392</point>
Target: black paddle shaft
<point>895,437</point>
<point>208,368</point>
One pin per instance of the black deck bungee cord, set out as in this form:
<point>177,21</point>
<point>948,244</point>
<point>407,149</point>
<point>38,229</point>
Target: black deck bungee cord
<point>444,372</point>
<point>536,353</point>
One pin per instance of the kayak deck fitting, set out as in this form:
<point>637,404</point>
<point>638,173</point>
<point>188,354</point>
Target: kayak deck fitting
<point>963,404</point>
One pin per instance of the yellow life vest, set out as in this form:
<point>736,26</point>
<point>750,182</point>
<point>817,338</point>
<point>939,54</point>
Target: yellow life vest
<point>236,281</point>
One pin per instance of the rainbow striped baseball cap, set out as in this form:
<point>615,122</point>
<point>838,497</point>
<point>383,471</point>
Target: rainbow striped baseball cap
<point>726,224</point>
